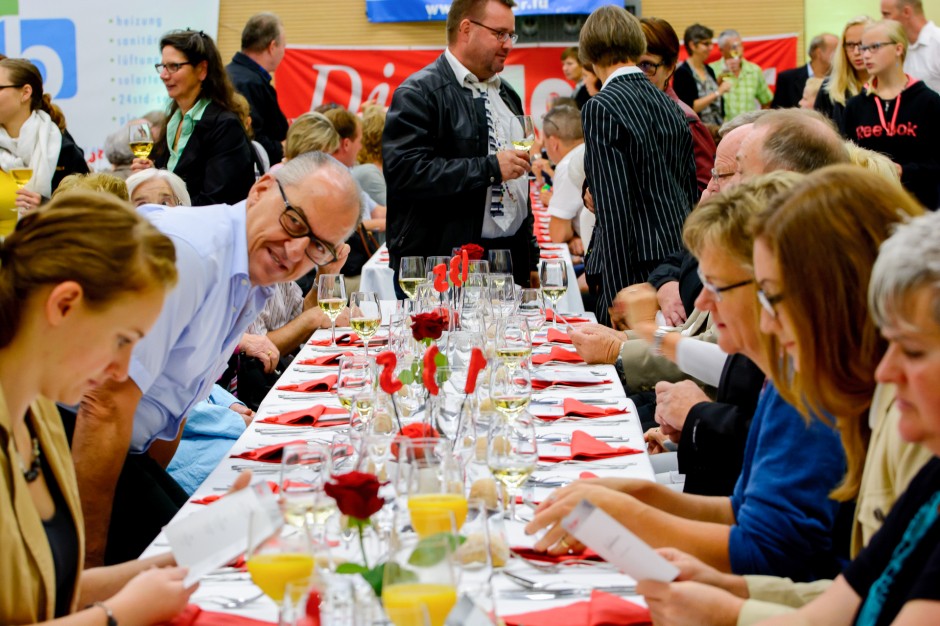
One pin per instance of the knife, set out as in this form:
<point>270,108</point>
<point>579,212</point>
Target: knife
<point>552,594</point>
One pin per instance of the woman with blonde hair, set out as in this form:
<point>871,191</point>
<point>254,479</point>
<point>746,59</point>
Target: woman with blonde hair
<point>311,132</point>
<point>81,281</point>
<point>848,74</point>
<point>896,114</point>
<point>369,171</point>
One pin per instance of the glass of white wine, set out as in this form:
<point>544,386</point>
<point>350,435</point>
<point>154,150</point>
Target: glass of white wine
<point>140,139</point>
<point>364,315</point>
<point>21,176</point>
<point>331,298</point>
<point>303,469</point>
<point>553,277</point>
<point>512,455</point>
<point>356,383</point>
<point>522,132</point>
<point>411,272</point>
<point>513,340</point>
<point>510,388</point>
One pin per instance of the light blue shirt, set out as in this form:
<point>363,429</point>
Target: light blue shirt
<point>202,320</point>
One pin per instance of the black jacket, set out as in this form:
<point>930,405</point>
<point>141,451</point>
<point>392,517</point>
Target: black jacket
<point>71,160</point>
<point>680,266</point>
<point>439,171</point>
<point>217,163</point>
<point>683,83</point>
<point>267,121</point>
<point>789,89</point>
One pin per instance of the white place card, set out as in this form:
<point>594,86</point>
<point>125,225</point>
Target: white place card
<point>616,544</point>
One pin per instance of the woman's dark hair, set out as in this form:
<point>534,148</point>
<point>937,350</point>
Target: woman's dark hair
<point>696,32</point>
<point>661,39</point>
<point>197,47</point>
<point>22,72</point>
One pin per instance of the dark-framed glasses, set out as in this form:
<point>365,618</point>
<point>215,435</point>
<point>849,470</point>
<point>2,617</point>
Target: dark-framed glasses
<point>502,36</point>
<point>717,291</point>
<point>297,227</point>
<point>875,47</point>
<point>171,68</point>
<point>852,45</point>
<point>769,302</point>
<point>648,67</point>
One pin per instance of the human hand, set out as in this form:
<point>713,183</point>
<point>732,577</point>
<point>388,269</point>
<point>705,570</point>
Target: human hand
<point>261,348</point>
<point>576,246</point>
<point>655,440</point>
<point>545,196</point>
<point>342,319</point>
<point>588,200</point>
<point>139,165</point>
<point>733,64</point>
<point>241,481</point>
<point>618,308</point>
<point>670,303</point>
<point>247,414</point>
<point>513,163</point>
<point>342,252</point>
<point>27,200</point>
<point>153,596</point>
<point>553,509</point>
<point>640,304</point>
<point>534,280</point>
<point>674,401</point>
<point>689,603</point>
<point>595,346</point>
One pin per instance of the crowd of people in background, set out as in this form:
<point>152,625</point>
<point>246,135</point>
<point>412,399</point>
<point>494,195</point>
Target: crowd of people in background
<point>763,265</point>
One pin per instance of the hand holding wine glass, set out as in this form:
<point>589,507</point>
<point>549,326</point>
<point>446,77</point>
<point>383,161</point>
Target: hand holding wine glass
<point>522,132</point>
<point>331,298</point>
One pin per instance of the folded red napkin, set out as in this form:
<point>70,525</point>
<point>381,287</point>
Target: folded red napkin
<point>210,499</point>
<point>541,383</point>
<point>557,336</point>
<point>557,353</point>
<point>268,454</point>
<point>327,383</point>
<point>585,447</point>
<point>193,615</point>
<point>571,319</point>
<point>304,417</point>
<point>603,609</point>
<point>532,555</point>
<point>326,359</point>
<point>576,408</point>
<point>549,255</point>
<point>348,340</point>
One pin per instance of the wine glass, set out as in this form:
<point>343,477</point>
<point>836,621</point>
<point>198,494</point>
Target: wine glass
<point>513,341</point>
<point>512,455</point>
<point>411,273</point>
<point>331,298</point>
<point>356,382</point>
<point>532,308</point>
<point>553,277</point>
<point>379,433</point>
<point>420,574</point>
<point>501,262</point>
<point>140,139</point>
<point>478,266</point>
<point>435,488</point>
<point>364,315</point>
<point>510,388</point>
<point>434,261</point>
<point>522,132</point>
<point>278,554</point>
<point>502,292</point>
<point>303,467</point>
<point>21,176</point>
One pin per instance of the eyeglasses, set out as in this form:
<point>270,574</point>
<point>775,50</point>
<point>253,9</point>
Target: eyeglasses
<point>852,45</point>
<point>875,47</point>
<point>717,176</point>
<point>10,87</point>
<point>171,68</point>
<point>502,36</point>
<point>296,225</point>
<point>769,302</point>
<point>717,291</point>
<point>648,67</point>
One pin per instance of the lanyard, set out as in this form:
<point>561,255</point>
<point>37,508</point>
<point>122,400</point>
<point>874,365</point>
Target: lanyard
<point>894,118</point>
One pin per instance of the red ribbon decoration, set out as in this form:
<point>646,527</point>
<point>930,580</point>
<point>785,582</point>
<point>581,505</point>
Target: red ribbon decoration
<point>387,380</point>
<point>455,271</point>
<point>440,278</point>
<point>477,363</point>
<point>428,373</point>
<point>465,260</point>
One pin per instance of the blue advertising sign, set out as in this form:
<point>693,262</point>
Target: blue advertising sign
<point>424,10</point>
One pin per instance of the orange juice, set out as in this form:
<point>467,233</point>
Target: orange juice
<point>272,572</point>
<point>400,600</point>
<point>428,509</point>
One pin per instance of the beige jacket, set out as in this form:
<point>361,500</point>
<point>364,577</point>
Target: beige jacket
<point>27,572</point>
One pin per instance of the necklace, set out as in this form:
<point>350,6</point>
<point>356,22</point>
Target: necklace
<point>35,467</point>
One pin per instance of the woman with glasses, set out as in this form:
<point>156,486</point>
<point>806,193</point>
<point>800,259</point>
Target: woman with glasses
<point>33,137</point>
<point>205,142</point>
<point>848,74</point>
<point>659,65</point>
<point>695,82</point>
<point>897,115</point>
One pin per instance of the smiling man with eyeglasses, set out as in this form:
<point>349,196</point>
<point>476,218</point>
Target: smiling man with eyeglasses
<point>452,176</point>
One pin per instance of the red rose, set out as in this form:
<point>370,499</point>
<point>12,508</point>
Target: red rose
<point>474,252</point>
<point>418,430</point>
<point>428,325</point>
<point>356,494</point>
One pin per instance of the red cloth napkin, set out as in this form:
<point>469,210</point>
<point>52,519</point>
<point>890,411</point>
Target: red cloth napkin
<point>348,340</point>
<point>558,336</point>
<point>210,499</point>
<point>327,383</point>
<point>532,555</point>
<point>326,359</point>
<point>576,408</point>
<point>557,354</point>
<point>585,447</point>
<point>603,609</point>
<point>268,454</point>
<point>571,319</point>
<point>193,615</point>
<point>541,383</point>
<point>549,255</point>
<point>304,417</point>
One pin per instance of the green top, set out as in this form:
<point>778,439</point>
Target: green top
<point>189,123</point>
<point>749,88</point>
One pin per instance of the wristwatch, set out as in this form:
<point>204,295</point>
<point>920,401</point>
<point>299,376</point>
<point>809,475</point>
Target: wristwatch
<point>659,335</point>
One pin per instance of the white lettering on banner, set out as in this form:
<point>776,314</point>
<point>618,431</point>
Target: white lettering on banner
<point>323,77</point>
<point>531,5</point>
<point>437,9</point>
<point>379,93</point>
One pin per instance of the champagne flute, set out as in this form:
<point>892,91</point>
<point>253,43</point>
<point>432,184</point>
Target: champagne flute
<point>140,139</point>
<point>513,341</point>
<point>331,298</point>
<point>510,388</point>
<point>512,455</point>
<point>278,554</point>
<point>553,276</point>
<point>419,574</point>
<point>411,273</point>
<point>21,176</point>
<point>522,132</point>
<point>364,315</point>
<point>500,262</point>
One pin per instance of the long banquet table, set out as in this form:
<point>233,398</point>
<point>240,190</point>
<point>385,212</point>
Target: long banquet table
<point>625,427</point>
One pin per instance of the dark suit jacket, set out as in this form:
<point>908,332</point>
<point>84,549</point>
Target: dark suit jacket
<point>217,163</point>
<point>439,171</point>
<point>71,160</point>
<point>267,121</point>
<point>789,90</point>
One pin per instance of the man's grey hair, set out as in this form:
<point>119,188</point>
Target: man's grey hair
<point>295,171</point>
<point>260,30</point>
<point>908,261</point>
<point>177,184</point>
<point>742,119</point>
<point>116,149</point>
<point>800,140</point>
<point>727,35</point>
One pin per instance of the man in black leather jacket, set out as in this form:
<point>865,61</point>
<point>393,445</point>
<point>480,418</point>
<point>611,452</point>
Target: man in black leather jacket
<point>439,167</point>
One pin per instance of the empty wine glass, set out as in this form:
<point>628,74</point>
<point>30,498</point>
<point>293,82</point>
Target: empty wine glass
<point>303,469</point>
<point>532,308</point>
<point>553,277</point>
<point>140,139</point>
<point>502,294</point>
<point>500,262</point>
<point>512,455</point>
<point>364,315</point>
<point>331,298</point>
<point>478,266</point>
<point>411,273</point>
<point>522,132</point>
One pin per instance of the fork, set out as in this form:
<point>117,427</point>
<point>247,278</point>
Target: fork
<point>232,603</point>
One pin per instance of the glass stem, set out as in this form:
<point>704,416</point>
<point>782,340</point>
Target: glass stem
<point>333,330</point>
<point>554,315</point>
<point>511,495</point>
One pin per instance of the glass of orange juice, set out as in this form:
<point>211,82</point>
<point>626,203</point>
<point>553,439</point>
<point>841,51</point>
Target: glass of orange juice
<point>420,573</point>
<point>279,558</point>
<point>435,486</point>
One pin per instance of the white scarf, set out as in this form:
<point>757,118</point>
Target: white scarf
<point>37,148</point>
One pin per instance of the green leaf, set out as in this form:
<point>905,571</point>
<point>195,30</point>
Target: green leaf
<point>440,360</point>
<point>350,568</point>
<point>374,577</point>
<point>396,574</point>
<point>406,377</point>
<point>432,549</point>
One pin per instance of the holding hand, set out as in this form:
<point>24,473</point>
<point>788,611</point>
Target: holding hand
<point>673,403</point>
<point>27,200</point>
<point>139,164</point>
<point>513,163</point>
<point>261,348</point>
<point>153,596</point>
<point>670,303</point>
<point>595,343</point>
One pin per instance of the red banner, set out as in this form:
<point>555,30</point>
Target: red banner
<point>308,78</point>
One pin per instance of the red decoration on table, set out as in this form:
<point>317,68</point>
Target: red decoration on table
<point>268,454</point>
<point>440,278</point>
<point>586,447</point>
<point>418,430</point>
<point>603,609</point>
<point>304,417</point>
<point>557,336</point>
<point>429,370</point>
<point>356,494</point>
<point>576,408</point>
<point>326,359</point>
<point>473,251</point>
<point>465,262</point>
<point>455,271</point>
<point>387,379</point>
<point>428,325</point>
<point>325,383</point>
<point>477,363</point>
<point>193,615</point>
<point>532,555</point>
<point>557,353</point>
<point>571,319</point>
<point>540,383</point>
